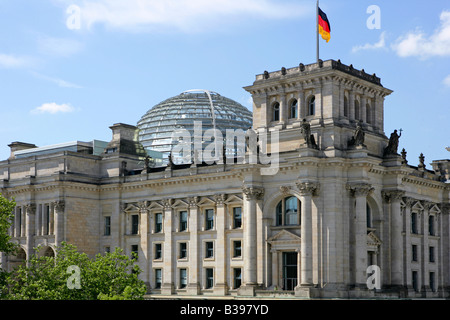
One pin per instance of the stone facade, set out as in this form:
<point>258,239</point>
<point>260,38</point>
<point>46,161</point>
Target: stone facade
<point>310,229</point>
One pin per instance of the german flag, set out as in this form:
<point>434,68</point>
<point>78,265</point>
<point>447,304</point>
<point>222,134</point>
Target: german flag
<point>324,26</point>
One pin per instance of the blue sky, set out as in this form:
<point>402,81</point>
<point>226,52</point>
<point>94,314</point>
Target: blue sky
<point>69,69</point>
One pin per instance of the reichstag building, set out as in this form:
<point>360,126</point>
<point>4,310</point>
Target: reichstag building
<point>340,213</point>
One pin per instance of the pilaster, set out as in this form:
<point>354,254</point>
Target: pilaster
<point>193,285</point>
<point>251,196</point>
<point>393,197</point>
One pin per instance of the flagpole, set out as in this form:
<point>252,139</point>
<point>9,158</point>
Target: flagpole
<point>317,30</point>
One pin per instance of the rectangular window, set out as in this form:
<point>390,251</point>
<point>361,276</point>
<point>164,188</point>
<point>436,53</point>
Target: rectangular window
<point>183,250</point>
<point>134,224</point>
<point>414,222</point>
<point>237,249</point>
<point>209,213</point>
<point>209,278</point>
<point>431,225</point>
<point>432,282</point>
<point>183,278</point>
<point>183,220</point>
<point>237,217</point>
<point>107,249</point>
<point>47,220</point>
<point>209,249</point>
<point>237,277</point>
<point>158,278</point>
<point>414,252</point>
<point>107,226</point>
<point>431,254</point>
<point>158,250</point>
<point>134,251</point>
<point>415,280</point>
<point>158,222</point>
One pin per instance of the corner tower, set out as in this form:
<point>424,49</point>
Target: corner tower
<point>333,98</point>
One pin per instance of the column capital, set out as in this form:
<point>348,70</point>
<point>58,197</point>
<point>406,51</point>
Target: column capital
<point>59,205</point>
<point>219,199</point>
<point>359,189</point>
<point>392,195</point>
<point>30,208</point>
<point>193,201</point>
<point>143,206</point>
<point>308,188</point>
<point>253,193</point>
<point>427,204</point>
<point>166,203</point>
<point>408,201</point>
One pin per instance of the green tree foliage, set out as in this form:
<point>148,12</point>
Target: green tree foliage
<point>71,275</point>
<point>6,218</point>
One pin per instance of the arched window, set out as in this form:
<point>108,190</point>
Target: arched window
<point>312,106</point>
<point>293,109</point>
<point>368,114</point>
<point>276,111</point>
<point>357,111</point>
<point>345,107</point>
<point>288,212</point>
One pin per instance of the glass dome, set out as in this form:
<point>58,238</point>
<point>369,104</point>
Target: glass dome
<point>180,112</point>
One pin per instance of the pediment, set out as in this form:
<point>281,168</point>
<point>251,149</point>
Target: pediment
<point>155,206</point>
<point>233,199</point>
<point>129,207</point>
<point>284,236</point>
<point>434,210</point>
<point>373,240</point>
<point>180,204</point>
<point>205,201</point>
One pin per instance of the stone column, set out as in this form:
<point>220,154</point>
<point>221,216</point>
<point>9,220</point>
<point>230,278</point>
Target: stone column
<point>408,250</point>
<point>363,108</point>
<point>122,224</point>
<point>193,286</point>
<point>221,286</point>
<point>307,190</point>
<point>144,233</point>
<point>51,224</point>
<point>23,222</point>
<point>283,109</point>
<point>351,105</point>
<point>252,195</point>
<point>167,287</point>
<point>37,223</point>
<point>394,197</point>
<point>299,265</point>
<point>30,210</point>
<point>58,207</point>
<point>274,268</point>
<point>426,253</point>
<point>360,191</point>
<point>301,105</point>
<point>17,217</point>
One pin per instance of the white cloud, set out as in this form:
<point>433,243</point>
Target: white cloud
<point>59,82</point>
<point>13,61</point>
<point>184,15</point>
<point>58,46</point>
<point>53,108</point>
<point>381,44</point>
<point>418,44</point>
<point>447,81</point>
